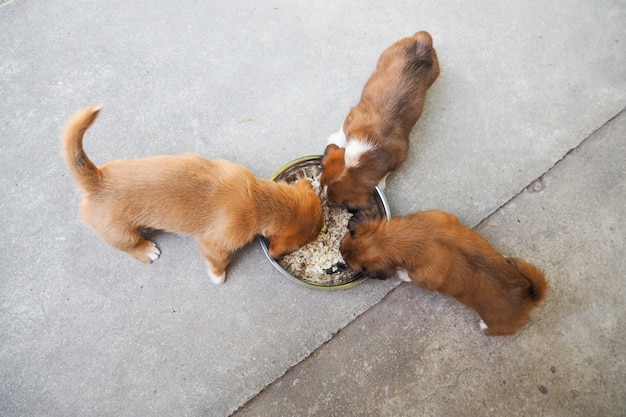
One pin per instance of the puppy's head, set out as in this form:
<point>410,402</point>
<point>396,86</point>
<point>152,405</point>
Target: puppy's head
<point>341,183</point>
<point>303,225</point>
<point>362,246</point>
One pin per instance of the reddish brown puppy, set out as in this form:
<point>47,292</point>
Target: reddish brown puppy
<point>218,202</point>
<point>374,138</point>
<point>436,252</point>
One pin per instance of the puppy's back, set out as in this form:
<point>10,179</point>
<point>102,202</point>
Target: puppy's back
<point>508,274</point>
<point>404,72</point>
<point>179,193</point>
<point>502,290</point>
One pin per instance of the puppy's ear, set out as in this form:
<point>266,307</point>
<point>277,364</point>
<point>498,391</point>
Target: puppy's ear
<point>360,202</point>
<point>281,245</point>
<point>333,164</point>
<point>360,218</point>
<point>275,248</point>
<point>330,148</point>
<point>332,153</point>
<point>354,222</point>
<point>382,273</point>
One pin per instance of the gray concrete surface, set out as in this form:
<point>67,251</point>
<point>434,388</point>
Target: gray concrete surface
<point>419,353</point>
<point>87,330</point>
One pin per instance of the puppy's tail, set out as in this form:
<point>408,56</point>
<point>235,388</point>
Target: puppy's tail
<point>538,284</point>
<point>422,56</point>
<point>84,172</point>
<point>424,43</point>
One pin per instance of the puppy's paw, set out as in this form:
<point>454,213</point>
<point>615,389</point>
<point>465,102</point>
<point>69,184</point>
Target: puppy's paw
<point>215,278</point>
<point>153,252</point>
<point>403,275</point>
<point>483,326</point>
<point>146,251</point>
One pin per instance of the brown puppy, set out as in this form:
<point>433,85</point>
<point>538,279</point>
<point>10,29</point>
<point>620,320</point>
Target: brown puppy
<point>374,138</point>
<point>220,203</point>
<point>435,251</point>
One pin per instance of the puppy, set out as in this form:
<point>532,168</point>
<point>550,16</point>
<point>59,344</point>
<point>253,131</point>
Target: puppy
<point>218,202</point>
<point>435,251</point>
<point>374,138</point>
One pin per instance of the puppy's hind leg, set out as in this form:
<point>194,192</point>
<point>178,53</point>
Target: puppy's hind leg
<point>497,329</point>
<point>146,249</point>
<point>124,238</point>
<point>131,242</point>
<point>217,259</point>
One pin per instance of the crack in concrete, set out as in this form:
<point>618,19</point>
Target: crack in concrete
<point>538,184</point>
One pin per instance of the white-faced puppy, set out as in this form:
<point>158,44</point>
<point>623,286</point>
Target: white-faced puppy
<point>218,202</point>
<point>374,137</point>
<point>435,251</point>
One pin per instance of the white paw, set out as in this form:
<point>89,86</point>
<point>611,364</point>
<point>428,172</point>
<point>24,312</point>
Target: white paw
<point>483,326</point>
<point>153,253</point>
<point>338,138</point>
<point>403,275</point>
<point>215,279</point>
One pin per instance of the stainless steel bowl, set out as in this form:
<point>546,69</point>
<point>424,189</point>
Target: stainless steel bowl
<point>309,167</point>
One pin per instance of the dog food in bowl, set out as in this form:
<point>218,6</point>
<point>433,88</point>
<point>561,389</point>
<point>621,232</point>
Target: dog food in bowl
<point>319,264</point>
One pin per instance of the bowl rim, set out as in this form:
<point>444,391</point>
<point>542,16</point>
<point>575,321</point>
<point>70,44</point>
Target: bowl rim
<point>264,243</point>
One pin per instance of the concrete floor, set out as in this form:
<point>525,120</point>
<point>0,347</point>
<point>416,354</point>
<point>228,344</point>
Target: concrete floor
<point>523,136</point>
<point>418,353</point>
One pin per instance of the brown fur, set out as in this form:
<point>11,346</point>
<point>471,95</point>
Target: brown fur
<point>391,103</point>
<point>220,203</point>
<point>440,254</point>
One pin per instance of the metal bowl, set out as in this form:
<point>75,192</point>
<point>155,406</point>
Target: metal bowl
<point>310,167</point>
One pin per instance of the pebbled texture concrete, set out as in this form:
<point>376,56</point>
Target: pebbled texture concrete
<point>87,330</point>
